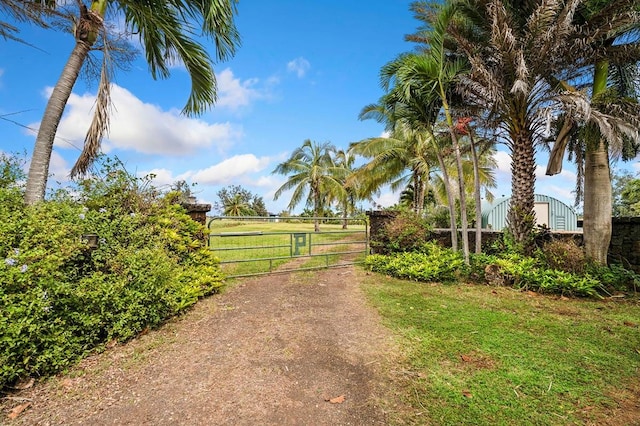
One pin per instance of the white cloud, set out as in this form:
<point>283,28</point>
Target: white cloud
<point>300,66</point>
<point>564,175</point>
<point>387,199</point>
<point>233,93</point>
<point>164,177</point>
<point>503,161</point>
<point>143,127</point>
<point>231,170</point>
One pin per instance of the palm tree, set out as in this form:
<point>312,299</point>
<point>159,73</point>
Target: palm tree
<point>524,55</point>
<point>312,173</point>
<point>513,47</point>
<point>352,188</point>
<point>404,150</point>
<point>404,110</point>
<point>478,165</point>
<point>611,61</point>
<point>424,82</point>
<point>167,33</point>
<point>238,206</point>
<point>483,162</point>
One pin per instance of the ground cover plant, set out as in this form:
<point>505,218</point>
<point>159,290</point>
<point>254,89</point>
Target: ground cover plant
<point>480,355</point>
<point>557,266</point>
<point>61,298</point>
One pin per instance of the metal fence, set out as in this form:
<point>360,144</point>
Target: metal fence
<point>248,246</point>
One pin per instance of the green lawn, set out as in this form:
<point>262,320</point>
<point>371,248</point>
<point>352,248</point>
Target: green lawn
<point>479,355</point>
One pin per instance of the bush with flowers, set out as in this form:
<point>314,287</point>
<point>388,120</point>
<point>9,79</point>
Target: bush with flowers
<point>62,296</point>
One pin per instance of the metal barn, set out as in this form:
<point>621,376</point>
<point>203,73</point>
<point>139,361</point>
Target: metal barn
<point>549,211</point>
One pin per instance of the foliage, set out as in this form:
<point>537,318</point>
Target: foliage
<point>615,278</point>
<point>407,231</point>
<point>431,263</point>
<point>60,298</point>
<point>563,255</point>
<point>238,201</point>
<point>168,33</point>
<point>626,195</point>
<point>530,273</point>
<point>184,192</point>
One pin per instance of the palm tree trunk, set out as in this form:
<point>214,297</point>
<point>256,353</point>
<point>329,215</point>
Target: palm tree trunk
<point>597,187</point>
<point>316,209</point>
<point>345,207</point>
<point>451,200</point>
<point>476,192</point>
<point>463,202</point>
<point>39,168</point>
<point>422,189</point>
<point>521,218</point>
<point>597,204</point>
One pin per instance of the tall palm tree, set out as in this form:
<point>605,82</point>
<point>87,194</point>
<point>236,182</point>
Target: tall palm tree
<point>167,32</point>
<point>312,176</point>
<point>478,165</point>
<point>513,47</point>
<point>610,27</point>
<point>435,75</point>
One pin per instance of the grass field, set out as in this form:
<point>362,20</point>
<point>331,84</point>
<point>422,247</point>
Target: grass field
<point>249,246</point>
<point>478,355</point>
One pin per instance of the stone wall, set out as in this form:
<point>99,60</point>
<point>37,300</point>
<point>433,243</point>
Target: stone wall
<point>624,248</point>
<point>625,242</point>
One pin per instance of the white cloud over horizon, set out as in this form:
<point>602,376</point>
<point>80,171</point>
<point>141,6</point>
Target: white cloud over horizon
<point>233,170</point>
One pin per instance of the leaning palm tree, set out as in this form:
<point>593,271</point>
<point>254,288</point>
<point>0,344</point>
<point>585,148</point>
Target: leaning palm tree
<point>428,77</point>
<point>312,173</point>
<point>167,34</point>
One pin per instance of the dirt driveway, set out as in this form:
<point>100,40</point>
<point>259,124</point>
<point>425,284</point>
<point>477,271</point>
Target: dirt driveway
<point>286,349</point>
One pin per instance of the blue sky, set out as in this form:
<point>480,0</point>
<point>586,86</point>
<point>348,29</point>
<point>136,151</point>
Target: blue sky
<point>304,71</point>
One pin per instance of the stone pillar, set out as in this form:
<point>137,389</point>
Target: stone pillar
<point>197,212</point>
<point>377,221</point>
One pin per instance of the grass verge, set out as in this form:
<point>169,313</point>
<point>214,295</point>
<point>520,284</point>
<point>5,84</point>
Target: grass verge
<point>479,355</point>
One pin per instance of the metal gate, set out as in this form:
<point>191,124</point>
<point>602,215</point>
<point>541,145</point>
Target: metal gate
<point>248,246</point>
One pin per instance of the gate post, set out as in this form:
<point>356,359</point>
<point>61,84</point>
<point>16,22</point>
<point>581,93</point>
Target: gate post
<point>197,212</point>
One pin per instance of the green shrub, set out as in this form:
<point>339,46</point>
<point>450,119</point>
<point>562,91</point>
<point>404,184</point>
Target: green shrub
<point>405,232</point>
<point>432,263</point>
<point>563,255</point>
<point>615,278</point>
<point>60,299</point>
<point>529,273</point>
